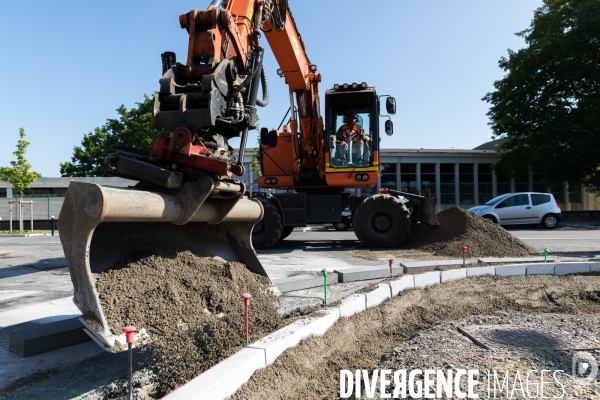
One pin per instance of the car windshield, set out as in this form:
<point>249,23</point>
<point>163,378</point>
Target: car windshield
<point>496,200</point>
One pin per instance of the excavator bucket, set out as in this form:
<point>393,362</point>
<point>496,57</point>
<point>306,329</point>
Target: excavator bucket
<point>100,226</point>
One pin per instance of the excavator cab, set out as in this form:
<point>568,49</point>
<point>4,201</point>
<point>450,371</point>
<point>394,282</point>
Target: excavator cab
<point>352,146</point>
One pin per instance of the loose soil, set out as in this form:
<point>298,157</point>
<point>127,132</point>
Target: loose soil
<point>190,306</point>
<point>457,228</point>
<point>312,369</point>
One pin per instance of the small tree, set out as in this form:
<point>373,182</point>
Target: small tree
<point>19,174</point>
<point>255,160</point>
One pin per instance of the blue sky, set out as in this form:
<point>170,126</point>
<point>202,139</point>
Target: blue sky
<point>67,65</point>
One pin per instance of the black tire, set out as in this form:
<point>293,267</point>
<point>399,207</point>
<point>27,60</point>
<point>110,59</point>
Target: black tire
<point>382,221</point>
<point>341,226</point>
<point>490,218</point>
<point>269,230</point>
<point>287,231</point>
<point>550,221</point>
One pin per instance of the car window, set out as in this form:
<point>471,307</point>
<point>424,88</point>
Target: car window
<point>537,199</point>
<point>495,200</point>
<point>517,200</point>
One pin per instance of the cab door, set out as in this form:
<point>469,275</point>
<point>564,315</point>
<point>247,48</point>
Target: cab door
<point>515,209</point>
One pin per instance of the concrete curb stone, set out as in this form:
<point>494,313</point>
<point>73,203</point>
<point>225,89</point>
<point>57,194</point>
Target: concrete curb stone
<point>454,274</point>
<point>362,274</point>
<point>563,269</point>
<point>540,269</point>
<point>378,296</point>
<point>594,267</point>
<point>511,270</point>
<point>427,279</point>
<point>406,282</point>
<point>353,304</point>
<point>222,380</point>
<point>305,281</point>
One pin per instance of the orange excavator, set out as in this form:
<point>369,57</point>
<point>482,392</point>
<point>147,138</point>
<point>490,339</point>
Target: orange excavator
<point>189,196</point>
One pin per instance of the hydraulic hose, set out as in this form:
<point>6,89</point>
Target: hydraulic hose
<point>265,89</point>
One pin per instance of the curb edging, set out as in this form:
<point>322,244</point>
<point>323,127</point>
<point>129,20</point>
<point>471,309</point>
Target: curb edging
<point>223,379</point>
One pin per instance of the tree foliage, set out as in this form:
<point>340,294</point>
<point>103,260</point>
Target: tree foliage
<point>548,103</point>
<point>19,174</point>
<point>133,128</point>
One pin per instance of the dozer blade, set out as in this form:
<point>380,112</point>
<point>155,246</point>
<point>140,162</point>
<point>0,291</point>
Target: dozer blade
<point>428,211</point>
<point>99,226</point>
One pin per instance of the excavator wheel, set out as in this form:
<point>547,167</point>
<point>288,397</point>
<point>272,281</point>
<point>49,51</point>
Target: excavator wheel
<point>287,231</point>
<point>382,221</point>
<point>269,230</point>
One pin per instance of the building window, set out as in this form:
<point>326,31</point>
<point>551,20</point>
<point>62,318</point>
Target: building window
<point>522,183</point>
<point>502,185</point>
<point>428,178</point>
<point>447,185</point>
<point>466,184</point>
<point>389,176</point>
<point>485,183</point>
<point>3,192</point>
<point>408,178</point>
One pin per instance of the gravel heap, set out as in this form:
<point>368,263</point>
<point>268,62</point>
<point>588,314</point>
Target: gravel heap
<point>190,306</point>
<point>459,227</point>
<point>442,347</point>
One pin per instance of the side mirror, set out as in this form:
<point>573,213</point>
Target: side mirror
<point>501,205</point>
<point>272,139</point>
<point>390,105</point>
<point>264,132</point>
<point>389,127</point>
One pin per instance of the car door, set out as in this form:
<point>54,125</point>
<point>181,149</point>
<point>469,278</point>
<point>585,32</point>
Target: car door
<point>515,209</point>
<point>541,204</point>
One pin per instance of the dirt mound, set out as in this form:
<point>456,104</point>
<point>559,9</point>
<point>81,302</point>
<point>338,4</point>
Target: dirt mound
<point>191,306</point>
<point>458,228</point>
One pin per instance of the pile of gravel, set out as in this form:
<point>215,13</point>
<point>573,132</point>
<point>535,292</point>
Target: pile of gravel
<point>190,306</point>
<point>459,227</point>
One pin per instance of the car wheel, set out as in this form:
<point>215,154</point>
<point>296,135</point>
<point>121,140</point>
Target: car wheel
<point>550,221</point>
<point>341,226</point>
<point>490,218</point>
<point>268,231</point>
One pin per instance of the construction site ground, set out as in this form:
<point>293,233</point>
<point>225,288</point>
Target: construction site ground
<point>35,286</point>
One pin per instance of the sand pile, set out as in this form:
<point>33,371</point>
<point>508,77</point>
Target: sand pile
<point>191,306</point>
<point>459,227</point>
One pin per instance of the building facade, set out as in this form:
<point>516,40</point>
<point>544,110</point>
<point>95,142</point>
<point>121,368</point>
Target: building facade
<point>463,178</point>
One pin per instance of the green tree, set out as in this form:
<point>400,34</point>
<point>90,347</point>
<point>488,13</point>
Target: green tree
<point>548,103</point>
<point>255,159</point>
<point>19,174</point>
<point>133,128</point>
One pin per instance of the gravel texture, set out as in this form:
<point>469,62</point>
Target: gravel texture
<point>442,347</point>
<point>190,306</point>
<point>312,369</point>
<point>457,228</point>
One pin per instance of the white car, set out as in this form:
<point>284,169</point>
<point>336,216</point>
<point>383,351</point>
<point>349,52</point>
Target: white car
<point>521,209</point>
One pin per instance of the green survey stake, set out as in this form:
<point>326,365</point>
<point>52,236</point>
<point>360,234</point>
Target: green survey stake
<point>545,255</point>
<point>324,271</point>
